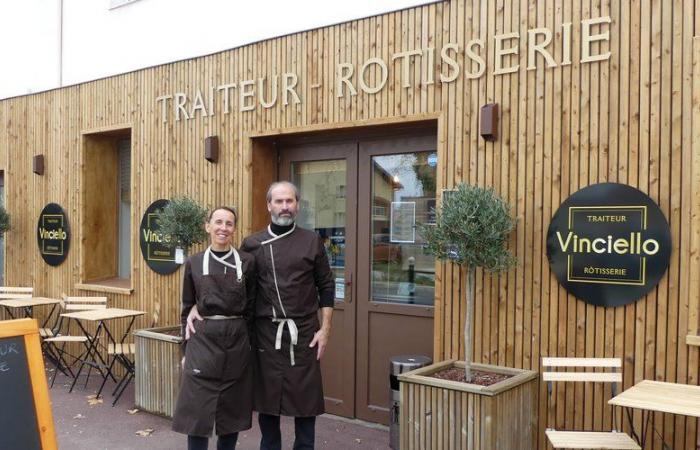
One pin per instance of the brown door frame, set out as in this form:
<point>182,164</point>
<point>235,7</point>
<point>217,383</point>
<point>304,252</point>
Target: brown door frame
<point>322,152</point>
<point>358,307</point>
<point>365,306</point>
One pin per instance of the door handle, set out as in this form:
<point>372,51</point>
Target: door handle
<point>348,287</point>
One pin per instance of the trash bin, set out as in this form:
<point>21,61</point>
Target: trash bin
<point>399,365</point>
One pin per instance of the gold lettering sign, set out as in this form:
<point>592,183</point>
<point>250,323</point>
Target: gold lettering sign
<point>608,244</point>
<point>449,63</point>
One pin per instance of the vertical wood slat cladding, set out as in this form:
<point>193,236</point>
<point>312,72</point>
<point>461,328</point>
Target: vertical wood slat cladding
<point>634,119</point>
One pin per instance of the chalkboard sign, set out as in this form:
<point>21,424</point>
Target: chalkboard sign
<point>25,408</point>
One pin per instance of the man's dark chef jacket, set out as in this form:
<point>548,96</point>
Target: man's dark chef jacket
<point>294,278</point>
<point>217,380</point>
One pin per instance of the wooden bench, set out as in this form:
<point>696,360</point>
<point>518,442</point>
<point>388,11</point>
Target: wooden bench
<point>586,439</point>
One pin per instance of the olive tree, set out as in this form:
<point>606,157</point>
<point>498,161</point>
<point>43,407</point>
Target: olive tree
<point>471,229</point>
<point>182,221</point>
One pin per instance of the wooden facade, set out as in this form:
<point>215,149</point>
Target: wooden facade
<point>631,118</point>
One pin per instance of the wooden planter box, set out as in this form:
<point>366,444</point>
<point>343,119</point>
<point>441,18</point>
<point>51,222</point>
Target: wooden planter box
<point>157,358</point>
<point>441,414</point>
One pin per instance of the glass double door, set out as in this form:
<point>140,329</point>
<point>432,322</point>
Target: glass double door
<point>367,200</point>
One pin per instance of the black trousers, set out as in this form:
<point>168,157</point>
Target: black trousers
<point>224,442</point>
<point>304,432</point>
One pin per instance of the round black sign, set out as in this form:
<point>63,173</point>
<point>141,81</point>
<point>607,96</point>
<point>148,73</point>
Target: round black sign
<point>53,234</point>
<point>158,256</point>
<point>609,244</point>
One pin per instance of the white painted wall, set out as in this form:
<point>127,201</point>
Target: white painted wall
<point>29,50</point>
<point>99,41</point>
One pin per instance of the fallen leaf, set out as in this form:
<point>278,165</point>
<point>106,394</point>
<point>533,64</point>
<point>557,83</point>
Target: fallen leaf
<point>94,401</point>
<point>132,411</point>
<point>79,416</point>
<point>146,432</point>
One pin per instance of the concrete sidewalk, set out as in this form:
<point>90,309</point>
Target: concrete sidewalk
<point>81,425</point>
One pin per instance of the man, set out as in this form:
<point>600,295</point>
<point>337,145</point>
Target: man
<point>294,281</point>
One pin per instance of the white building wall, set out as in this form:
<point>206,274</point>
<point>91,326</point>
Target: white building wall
<point>46,44</point>
<point>29,48</point>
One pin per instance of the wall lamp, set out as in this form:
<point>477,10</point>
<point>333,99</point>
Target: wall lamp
<point>38,164</point>
<point>211,149</point>
<point>488,123</point>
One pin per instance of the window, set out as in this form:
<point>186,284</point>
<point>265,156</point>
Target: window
<point>124,249</point>
<point>106,211</point>
<point>403,193</point>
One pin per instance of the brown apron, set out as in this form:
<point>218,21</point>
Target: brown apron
<point>217,383</point>
<point>283,388</point>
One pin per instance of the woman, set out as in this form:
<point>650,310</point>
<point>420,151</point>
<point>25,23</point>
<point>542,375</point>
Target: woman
<point>217,381</point>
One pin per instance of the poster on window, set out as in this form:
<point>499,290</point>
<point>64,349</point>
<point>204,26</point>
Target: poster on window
<point>403,222</point>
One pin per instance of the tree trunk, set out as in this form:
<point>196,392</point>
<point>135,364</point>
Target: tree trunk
<point>469,325</point>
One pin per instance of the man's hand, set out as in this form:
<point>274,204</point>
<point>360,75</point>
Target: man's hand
<point>322,335</point>
<point>191,317</point>
<point>182,363</point>
<point>320,338</point>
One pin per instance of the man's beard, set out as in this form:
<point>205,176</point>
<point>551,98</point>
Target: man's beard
<point>282,221</point>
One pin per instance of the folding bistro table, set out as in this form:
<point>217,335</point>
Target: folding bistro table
<point>115,347</point>
<point>649,396</point>
<point>28,305</point>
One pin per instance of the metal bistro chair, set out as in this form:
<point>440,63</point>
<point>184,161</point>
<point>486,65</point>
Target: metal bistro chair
<point>8,292</point>
<point>586,439</point>
<point>56,345</point>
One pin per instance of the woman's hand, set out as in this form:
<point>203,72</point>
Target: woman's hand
<point>191,317</point>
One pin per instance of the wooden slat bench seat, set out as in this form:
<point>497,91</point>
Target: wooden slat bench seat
<point>67,339</point>
<point>121,349</point>
<point>591,440</point>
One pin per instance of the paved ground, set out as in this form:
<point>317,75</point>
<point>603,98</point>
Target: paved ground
<point>80,425</point>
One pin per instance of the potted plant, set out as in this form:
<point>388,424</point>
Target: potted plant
<point>4,221</point>
<point>182,219</point>
<point>497,408</point>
